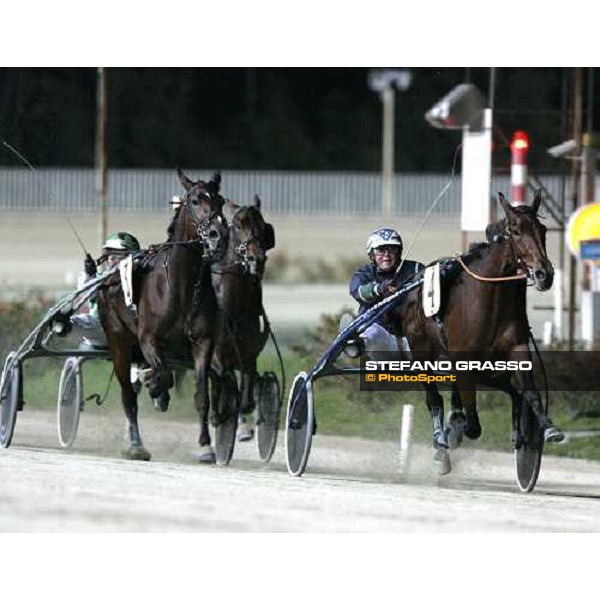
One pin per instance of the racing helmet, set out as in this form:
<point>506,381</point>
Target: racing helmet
<point>384,237</point>
<point>122,241</point>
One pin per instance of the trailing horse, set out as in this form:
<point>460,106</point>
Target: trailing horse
<point>483,310</point>
<point>176,310</point>
<point>237,282</point>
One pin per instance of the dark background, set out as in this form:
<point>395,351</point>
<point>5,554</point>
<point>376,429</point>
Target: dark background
<point>266,118</point>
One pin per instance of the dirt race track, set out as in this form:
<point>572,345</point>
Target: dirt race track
<point>350,485</point>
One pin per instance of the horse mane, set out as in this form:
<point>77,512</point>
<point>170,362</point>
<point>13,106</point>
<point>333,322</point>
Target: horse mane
<point>171,227</point>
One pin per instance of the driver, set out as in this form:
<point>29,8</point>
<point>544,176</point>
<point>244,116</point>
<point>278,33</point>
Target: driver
<point>86,327</point>
<point>372,283</point>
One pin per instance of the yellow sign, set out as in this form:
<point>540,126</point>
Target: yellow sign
<point>584,224</point>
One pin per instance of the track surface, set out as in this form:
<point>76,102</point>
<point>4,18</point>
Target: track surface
<point>350,485</point>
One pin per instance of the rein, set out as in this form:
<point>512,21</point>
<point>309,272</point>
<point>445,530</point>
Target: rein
<point>457,256</point>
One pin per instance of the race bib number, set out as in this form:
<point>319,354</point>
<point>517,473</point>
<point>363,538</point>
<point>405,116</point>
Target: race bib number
<point>431,290</point>
<point>126,272</point>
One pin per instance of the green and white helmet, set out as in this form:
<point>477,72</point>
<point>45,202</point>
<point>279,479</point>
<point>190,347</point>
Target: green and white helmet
<point>122,241</point>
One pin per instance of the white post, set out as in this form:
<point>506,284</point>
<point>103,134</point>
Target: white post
<point>408,413</point>
<point>101,153</point>
<point>558,305</point>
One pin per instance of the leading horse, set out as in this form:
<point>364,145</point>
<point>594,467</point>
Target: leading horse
<point>483,310</point>
<point>176,310</point>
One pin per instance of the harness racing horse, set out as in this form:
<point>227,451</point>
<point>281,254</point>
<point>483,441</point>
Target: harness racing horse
<point>237,282</point>
<point>483,310</point>
<point>176,310</point>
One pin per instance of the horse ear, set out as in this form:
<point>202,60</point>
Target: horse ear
<point>537,199</point>
<point>256,202</point>
<point>216,179</point>
<point>504,203</point>
<point>229,210</point>
<point>186,182</point>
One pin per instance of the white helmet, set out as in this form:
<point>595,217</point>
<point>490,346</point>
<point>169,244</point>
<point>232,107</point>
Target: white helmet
<point>384,237</point>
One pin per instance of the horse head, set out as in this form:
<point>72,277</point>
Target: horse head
<point>199,215</point>
<point>528,238</point>
<point>250,236</point>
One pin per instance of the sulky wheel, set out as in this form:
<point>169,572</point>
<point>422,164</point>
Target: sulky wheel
<point>226,426</point>
<point>70,401</point>
<point>268,405</point>
<point>528,457</point>
<point>299,424</point>
<point>11,397</point>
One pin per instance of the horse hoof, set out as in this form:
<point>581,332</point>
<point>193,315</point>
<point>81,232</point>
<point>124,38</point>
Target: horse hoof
<point>161,403</point>
<point>473,431</point>
<point>553,434</point>
<point>207,456</point>
<point>454,431</point>
<point>245,432</point>
<point>441,462</point>
<point>454,437</point>
<point>137,453</point>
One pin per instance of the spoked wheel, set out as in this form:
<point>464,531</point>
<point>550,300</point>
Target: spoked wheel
<point>70,401</point>
<point>11,395</point>
<point>225,430</point>
<point>268,409</point>
<point>299,424</point>
<point>528,457</point>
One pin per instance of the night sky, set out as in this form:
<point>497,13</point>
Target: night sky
<point>267,118</point>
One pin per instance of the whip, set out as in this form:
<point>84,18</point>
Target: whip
<point>55,197</point>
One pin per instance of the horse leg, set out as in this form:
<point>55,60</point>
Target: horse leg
<point>162,377</point>
<point>472,426</point>
<point>551,432</point>
<point>227,405</point>
<point>122,365</point>
<point>202,356</point>
<point>435,404</point>
<point>247,405</point>
<point>456,421</point>
<point>516,408</point>
<point>532,396</point>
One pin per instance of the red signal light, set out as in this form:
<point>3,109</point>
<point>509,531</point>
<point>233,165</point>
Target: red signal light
<point>520,141</point>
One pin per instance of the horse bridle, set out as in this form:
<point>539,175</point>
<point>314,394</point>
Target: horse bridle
<point>206,236</point>
<point>248,266</point>
<point>506,235</point>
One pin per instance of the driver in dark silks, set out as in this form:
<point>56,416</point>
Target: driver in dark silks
<point>372,283</point>
<point>85,328</point>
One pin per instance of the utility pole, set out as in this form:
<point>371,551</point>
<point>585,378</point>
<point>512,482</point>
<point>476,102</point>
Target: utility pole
<point>389,104</point>
<point>385,82</point>
<point>574,184</point>
<point>101,153</point>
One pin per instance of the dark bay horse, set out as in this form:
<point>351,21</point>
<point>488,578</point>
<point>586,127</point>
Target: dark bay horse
<point>237,282</point>
<point>482,316</point>
<point>176,309</point>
